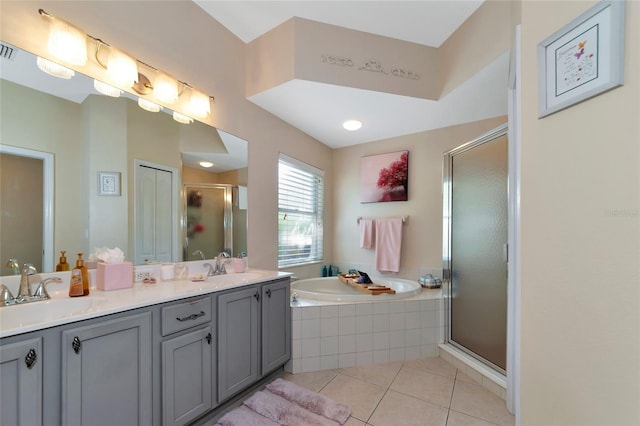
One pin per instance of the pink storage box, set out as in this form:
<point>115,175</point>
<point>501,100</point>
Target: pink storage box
<point>114,276</point>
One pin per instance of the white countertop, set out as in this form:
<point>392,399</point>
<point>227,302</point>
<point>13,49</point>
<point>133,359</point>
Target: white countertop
<point>62,309</point>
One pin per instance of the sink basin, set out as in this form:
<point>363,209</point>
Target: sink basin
<point>48,310</point>
<point>248,276</point>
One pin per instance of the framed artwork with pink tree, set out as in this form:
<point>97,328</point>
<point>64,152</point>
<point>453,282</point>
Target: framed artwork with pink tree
<point>384,177</point>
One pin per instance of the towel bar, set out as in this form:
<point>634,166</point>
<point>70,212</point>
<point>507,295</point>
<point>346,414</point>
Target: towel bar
<point>404,219</point>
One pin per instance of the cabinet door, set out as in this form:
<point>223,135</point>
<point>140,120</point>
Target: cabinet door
<point>106,373</point>
<point>238,346</point>
<point>186,377</point>
<point>21,384</point>
<point>276,326</point>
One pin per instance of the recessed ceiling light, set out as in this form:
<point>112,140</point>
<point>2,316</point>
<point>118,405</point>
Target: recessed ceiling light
<point>206,164</point>
<point>352,125</point>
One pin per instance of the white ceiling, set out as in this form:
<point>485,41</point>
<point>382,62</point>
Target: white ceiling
<point>320,109</point>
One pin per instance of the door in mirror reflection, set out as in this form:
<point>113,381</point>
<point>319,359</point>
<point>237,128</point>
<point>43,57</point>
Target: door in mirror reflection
<point>21,217</point>
<point>154,200</point>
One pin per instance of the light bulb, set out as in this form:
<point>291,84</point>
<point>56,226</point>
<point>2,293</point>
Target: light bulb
<point>165,89</point>
<point>106,89</point>
<point>67,43</point>
<point>199,104</point>
<point>181,118</point>
<point>148,105</point>
<point>54,69</point>
<point>206,164</point>
<point>122,69</point>
<point>352,125</point>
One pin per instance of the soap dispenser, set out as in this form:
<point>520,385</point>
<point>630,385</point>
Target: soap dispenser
<point>79,285</point>
<point>63,265</point>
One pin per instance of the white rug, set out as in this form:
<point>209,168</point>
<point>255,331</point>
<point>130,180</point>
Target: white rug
<point>287,404</point>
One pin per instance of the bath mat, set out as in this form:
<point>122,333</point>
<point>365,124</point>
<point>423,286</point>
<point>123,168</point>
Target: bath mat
<point>287,404</point>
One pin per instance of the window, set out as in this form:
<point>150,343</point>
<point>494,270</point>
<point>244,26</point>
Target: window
<point>300,211</point>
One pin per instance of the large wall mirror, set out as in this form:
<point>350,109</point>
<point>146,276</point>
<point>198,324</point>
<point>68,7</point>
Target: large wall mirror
<point>87,136</point>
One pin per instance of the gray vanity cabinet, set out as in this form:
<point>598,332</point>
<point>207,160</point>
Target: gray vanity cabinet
<point>276,325</point>
<point>187,376</point>
<point>106,372</point>
<point>21,384</point>
<point>254,334</point>
<point>238,344</point>
<point>187,349</point>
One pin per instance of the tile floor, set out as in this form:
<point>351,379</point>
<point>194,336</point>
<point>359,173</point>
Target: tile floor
<point>423,392</point>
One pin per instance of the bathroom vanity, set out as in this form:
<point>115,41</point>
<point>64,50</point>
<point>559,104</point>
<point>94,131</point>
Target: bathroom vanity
<point>168,353</point>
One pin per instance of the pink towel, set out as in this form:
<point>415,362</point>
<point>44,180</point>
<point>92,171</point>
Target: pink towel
<point>367,228</point>
<point>388,244</point>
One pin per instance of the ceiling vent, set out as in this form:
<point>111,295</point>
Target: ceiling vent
<point>7,51</point>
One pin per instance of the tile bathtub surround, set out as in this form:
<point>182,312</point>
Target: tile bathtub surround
<point>349,335</point>
<point>427,391</point>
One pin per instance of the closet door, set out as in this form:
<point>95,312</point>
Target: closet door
<point>154,201</point>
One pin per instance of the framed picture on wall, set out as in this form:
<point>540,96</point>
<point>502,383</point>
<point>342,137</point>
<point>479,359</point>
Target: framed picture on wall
<point>109,183</point>
<point>384,177</point>
<point>582,59</point>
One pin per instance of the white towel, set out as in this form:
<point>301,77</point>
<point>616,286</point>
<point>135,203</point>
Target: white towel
<point>367,232</point>
<point>388,244</point>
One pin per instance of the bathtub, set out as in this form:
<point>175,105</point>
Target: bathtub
<point>336,326</point>
<point>331,289</point>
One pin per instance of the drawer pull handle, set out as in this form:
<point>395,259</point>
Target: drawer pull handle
<point>76,345</point>
<point>31,358</point>
<point>208,338</point>
<point>257,296</point>
<point>191,317</point>
<point>269,293</point>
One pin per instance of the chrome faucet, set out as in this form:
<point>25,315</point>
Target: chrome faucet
<point>14,266</point>
<point>221,261</point>
<point>211,272</point>
<point>25,289</point>
<point>200,253</point>
<point>41,292</point>
<point>7,299</point>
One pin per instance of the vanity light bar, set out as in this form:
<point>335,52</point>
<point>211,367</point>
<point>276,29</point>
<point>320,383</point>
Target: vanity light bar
<point>69,44</point>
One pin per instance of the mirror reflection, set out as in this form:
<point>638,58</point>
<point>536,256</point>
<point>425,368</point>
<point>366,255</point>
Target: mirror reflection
<point>85,134</point>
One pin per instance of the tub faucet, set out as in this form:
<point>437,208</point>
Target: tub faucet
<point>199,253</point>
<point>25,288</point>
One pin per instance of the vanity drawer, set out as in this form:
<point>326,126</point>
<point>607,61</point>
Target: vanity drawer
<point>185,315</point>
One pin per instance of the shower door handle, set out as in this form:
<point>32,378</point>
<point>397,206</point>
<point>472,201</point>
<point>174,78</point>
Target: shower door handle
<point>505,252</point>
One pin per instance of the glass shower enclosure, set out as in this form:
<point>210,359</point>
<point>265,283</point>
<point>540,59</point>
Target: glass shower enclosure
<point>475,247</point>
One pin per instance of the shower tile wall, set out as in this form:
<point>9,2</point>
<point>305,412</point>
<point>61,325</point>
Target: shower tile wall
<point>349,335</point>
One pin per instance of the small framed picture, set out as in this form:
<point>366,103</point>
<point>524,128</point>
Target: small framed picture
<point>582,59</point>
<point>109,183</point>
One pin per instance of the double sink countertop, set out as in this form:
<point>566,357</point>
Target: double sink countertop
<point>62,309</point>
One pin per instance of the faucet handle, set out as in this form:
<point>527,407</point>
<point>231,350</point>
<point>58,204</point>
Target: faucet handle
<point>6,298</point>
<point>41,291</point>
<point>211,271</point>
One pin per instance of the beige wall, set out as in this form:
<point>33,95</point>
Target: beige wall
<point>422,233</point>
<point>580,203</point>
<point>57,130</point>
<point>481,39</point>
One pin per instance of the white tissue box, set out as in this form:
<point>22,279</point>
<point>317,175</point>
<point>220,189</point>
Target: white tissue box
<point>114,276</point>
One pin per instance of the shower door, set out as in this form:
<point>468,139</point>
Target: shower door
<point>208,221</point>
<point>475,263</point>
